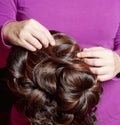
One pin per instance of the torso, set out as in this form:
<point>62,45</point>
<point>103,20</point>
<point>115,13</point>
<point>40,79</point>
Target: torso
<point>90,23</point>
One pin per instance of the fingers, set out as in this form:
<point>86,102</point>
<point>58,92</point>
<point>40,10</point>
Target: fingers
<point>51,40</point>
<point>94,62</point>
<point>94,52</point>
<point>42,34</point>
<point>98,70</point>
<point>33,42</point>
<point>103,78</point>
<point>42,38</point>
<point>103,73</point>
<point>28,46</point>
<point>31,33</point>
<point>102,62</point>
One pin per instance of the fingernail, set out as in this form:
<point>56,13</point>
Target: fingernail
<point>46,45</point>
<point>52,42</point>
<point>39,46</point>
<point>33,49</point>
<point>78,54</point>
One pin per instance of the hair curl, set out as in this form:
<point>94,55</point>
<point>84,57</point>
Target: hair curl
<point>53,86</point>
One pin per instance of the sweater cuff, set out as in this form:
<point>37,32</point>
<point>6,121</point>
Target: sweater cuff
<point>118,52</point>
<point>5,43</point>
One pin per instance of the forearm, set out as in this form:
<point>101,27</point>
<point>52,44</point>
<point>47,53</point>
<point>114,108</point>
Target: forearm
<point>117,49</point>
<point>117,42</point>
<point>7,14</point>
<point>118,64</point>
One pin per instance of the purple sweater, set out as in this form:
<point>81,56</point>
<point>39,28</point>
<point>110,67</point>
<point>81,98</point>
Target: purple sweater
<point>89,22</point>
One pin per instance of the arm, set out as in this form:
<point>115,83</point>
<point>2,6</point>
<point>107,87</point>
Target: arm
<point>8,12</point>
<point>117,41</point>
<point>29,33</point>
<point>117,45</point>
<point>103,62</point>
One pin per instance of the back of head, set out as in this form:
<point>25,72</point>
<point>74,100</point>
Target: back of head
<point>53,86</point>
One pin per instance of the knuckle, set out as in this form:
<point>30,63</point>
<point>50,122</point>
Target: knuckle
<point>21,34</point>
<point>31,21</point>
<point>28,23</point>
<point>37,44</point>
<point>19,42</point>
<point>96,71</point>
<point>43,40</point>
<point>24,27</point>
<point>94,62</point>
<point>45,44</point>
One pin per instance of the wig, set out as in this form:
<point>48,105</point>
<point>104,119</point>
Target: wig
<point>52,85</point>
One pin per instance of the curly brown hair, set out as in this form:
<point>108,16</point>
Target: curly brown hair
<point>52,85</point>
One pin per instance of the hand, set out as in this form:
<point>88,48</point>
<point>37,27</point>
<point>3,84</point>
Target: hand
<point>103,62</point>
<point>29,34</point>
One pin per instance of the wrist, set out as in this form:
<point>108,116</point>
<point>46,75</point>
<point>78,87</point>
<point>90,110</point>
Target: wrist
<point>118,75</point>
<point>118,70</point>
<point>5,31</point>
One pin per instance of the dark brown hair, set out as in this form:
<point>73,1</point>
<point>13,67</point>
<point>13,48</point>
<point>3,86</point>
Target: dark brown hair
<point>53,86</point>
